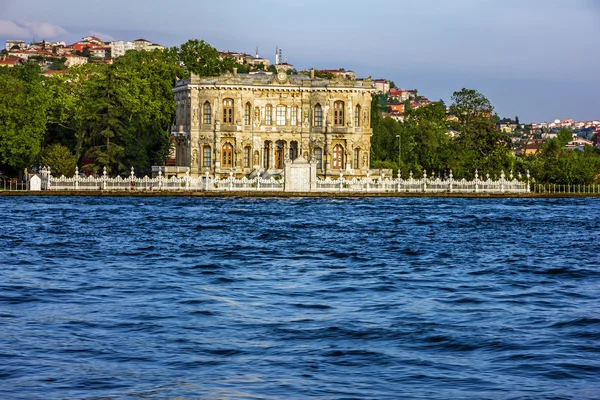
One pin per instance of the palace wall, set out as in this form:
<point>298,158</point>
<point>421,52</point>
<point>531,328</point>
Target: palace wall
<point>253,123</point>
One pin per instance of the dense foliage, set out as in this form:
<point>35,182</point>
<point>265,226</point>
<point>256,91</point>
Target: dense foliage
<point>120,115</point>
<point>421,142</point>
<point>114,116</point>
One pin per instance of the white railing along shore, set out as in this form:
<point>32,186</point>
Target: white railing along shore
<point>381,184</point>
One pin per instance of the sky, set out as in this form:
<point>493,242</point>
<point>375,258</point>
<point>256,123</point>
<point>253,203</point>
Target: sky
<point>535,59</point>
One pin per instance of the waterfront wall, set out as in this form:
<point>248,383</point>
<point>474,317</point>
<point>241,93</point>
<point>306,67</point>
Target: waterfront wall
<point>306,184</point>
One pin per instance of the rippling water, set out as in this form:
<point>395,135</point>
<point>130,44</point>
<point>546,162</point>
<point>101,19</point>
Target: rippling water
<point>299,298</point>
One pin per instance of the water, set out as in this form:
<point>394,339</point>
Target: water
<point>299,298</point>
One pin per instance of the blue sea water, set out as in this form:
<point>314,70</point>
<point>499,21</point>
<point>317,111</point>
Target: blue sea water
<point>225,298</point>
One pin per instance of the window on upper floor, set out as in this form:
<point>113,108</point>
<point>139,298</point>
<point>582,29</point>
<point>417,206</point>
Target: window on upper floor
<point>294,115</point>
<point>357,116</point>
<point>206,113</point>
<point>268,114</point>
<point>228,111</point>
<point>247,113</point>
<point>338,113</point>
<point>318,115</point>
<point>281,110</point>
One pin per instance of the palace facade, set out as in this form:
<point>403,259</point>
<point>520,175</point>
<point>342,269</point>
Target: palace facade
<point>249,124</point>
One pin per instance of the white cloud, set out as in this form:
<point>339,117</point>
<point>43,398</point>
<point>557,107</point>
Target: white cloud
<point>30,29</point>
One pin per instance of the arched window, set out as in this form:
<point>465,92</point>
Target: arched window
<point>338,157</point>
<point>268,114</point>
<point>228,111</point>
<point>338,113</point>
<point>206,113</point>
<point>319,157</point>
<point>247,151</point>
<point>318,115</point>
<point>357,116</point>
<point>247,112</point>
<point>227,159</point>
<point>281,110</point>
<point>294,115</point>
<point>356,158</point>
<point>206,156</point>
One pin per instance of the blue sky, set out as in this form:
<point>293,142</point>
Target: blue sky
<point>538,59</point>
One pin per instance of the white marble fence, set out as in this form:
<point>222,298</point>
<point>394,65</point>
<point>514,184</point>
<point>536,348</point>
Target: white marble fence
<point>380,184</point>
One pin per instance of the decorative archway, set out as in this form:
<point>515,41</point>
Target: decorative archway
<point>227,156</point>
<point>338,157</point>
<point>279,151</point>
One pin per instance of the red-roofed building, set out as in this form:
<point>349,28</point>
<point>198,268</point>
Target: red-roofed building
<point>399,94</point>
<point>397,108</point>
<point>93,40</point>
<point>10,61</point>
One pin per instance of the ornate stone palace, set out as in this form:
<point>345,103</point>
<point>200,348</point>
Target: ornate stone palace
<point>250,124</point>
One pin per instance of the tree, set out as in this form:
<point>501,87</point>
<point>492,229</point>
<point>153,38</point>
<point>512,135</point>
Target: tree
<point>426,135</point>
<point>58,64</point>
<point>563,137</point>
<point>470,106</point>
<point>60,160</point>
<point>482,146</point>
<point>23,106</point>
<point>202,59</point>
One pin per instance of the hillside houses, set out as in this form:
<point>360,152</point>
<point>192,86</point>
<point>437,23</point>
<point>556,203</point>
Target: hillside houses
<point>88,49</point>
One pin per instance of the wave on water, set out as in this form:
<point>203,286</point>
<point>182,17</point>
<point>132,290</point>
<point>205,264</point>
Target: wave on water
<point>299,298</point>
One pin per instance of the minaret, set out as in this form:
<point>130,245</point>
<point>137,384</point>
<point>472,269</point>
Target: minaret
<point>276,55</point>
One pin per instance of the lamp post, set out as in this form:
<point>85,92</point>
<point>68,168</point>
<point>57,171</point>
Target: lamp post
<point>399,150</point>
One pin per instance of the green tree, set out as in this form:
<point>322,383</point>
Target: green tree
<point>470,107</point>
<point>145,92</point>
<point>426,134</point>
<point>202,59</point>
<point>563,137</point>
<point>60,160</point>
<point>23,106</point>
<point>481,145</point>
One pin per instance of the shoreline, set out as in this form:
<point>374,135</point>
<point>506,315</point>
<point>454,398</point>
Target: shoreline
<point>279,194</point>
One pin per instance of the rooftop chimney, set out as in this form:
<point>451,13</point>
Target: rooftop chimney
<point>312,73</point>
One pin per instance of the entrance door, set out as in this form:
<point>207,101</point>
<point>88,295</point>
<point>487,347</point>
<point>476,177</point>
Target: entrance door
<point>293,150</point>
<point>227,156</point>
<point>279,154</point>
<point>338,157</point>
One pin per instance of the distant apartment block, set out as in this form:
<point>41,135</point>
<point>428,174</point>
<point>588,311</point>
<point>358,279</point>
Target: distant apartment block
<point>381,86</point>
<point>119,48</point>
<point>146,45</point>
<point>15,44</point>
